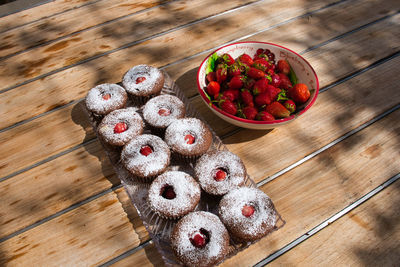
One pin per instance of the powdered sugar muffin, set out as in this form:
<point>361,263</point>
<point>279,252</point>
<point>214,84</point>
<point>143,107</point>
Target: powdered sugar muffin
<point>120,126</point>
<point>174,194</point>
<point>200,239</point>
<point>105,98</point>
<point>162,110</point>
<point>143,82</point>
<point>188,137</point>
<point>218,172</point>
<point>146,156</point>
<point>248,213</point>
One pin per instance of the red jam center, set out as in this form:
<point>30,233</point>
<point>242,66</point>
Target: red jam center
<point>120,127</point>
<point>140,79</point>
<point>247,210</point>
<point>106,96</point>
<point>146,150</point>
<point>189,139</point>
<point>200,239</point>
<point>168,192</point>
<point>220,175</point>
<point>164,112</point>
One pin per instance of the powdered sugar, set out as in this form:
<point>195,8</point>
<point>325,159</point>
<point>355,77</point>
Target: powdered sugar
<point>145,166</point>
<point>96,103</point>
<point>257,225</point>
<point>207,166</point>
<point>130,117</point>
<point>214,250</point>
<point>153,80</point>
<point>187,192</point>
<point>171,103</point>
<point>178,129</point>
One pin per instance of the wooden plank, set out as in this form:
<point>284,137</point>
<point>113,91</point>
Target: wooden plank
<point>39,12</point>
<point>90,235</point>
<point>47,29</point>
<point>55,123</point>
<point>382,75</point>
<point>185,73</point>
<point>320,188</point>
<point>367,236</point>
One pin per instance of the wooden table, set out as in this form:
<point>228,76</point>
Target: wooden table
<point>332,174</point>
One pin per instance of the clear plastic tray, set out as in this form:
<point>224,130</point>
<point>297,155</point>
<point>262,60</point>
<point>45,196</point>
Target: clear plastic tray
<point>159,228</point>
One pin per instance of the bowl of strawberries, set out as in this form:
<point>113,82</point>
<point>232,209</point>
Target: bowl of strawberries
<point>257,85</point>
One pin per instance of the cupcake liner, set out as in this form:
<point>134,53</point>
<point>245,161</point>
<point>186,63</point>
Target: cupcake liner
<point>141,100</point>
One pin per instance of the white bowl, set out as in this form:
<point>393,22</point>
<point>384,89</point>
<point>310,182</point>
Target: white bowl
<point>304,72</point>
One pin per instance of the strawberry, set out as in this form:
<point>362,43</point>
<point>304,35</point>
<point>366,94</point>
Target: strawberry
<point>220,175</point>
<point>255,73</point>
<point>211,76</point>
<point>264,116</point>
<point>290,105</point>
<point>140,79</point>
<point>120,127</point>
<point>198,240</point>
<point>275,80</point>
<point>299,93</point>
<point>228,106</point>
<point>221,73</point>
<point>234,70</point>
<point>213,89</point>
<point>250,112</point>
<point>146,150</point>
<point>249,83</point>
<point>230,94</point>
<point>189,139</point>
<point>228,59</point>
<point>285,81</point>
<point>247,210</point>
<point>164,112</point>
<point>261,64</point>
<point>106,96</point>
<point>258,52</point>
<point>283,66</point>
<point>260,86</point>
<point>262,99</point>
<point>247,97</point>
<point>277,110</point>
<point>246,59</point>
<point>168,192</point>
<point>236,82</point>
<point>272,92</point>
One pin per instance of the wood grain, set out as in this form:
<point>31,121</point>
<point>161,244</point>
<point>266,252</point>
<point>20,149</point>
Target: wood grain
<point>367,236</point>
<point>320,188</point>
<point>53,27</point>
<point>286,34</point>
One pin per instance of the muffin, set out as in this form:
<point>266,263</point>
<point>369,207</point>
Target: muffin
<point>173,194</point>
<point>143,82</point>
<point>248,214</point>
<point>218,172</point>
<point>146,157</point>
<point>105,98</point>
<point>161,111</point>
<point>188,138</point>
<point>200,239</point>
<point>120,126</point>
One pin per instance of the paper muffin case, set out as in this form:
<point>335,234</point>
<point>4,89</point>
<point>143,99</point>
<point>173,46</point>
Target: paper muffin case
<point>159,227</point>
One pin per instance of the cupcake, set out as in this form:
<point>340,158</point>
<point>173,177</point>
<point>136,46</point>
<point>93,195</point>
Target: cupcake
<point>218,172</point>
<point>161,111</point>
<point>143,82</point>
<point>200,239</point>
<point>146,157</point>
<point>173,194</point>
<point>188,138</point>
<point>120,126</point>
<point>105,98</point>
<point>248,214</point>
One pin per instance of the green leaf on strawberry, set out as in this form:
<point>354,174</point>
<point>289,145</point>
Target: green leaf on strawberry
<point>292,76</point>
<point>211,63</point>
<point>269,78</point>
<point>282,95</point>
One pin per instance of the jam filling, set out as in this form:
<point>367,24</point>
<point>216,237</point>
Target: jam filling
<point>106,96</point>
<point>140,79</point>
<point>168,192</point>
<point>220,175</point>
<point>146,150</point>
<point>248,211</point>
<point>201,238</point>
<point>120,127</point>
<point>164,112</point>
